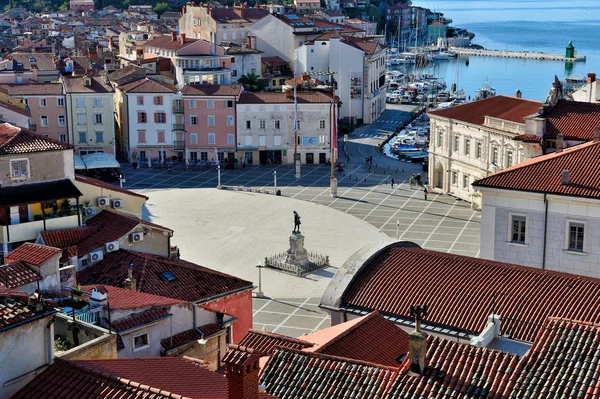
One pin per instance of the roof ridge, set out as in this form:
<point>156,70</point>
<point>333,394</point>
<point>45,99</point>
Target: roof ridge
<point>280,336</point>
<point>349,330</point>
<point>332,357</point>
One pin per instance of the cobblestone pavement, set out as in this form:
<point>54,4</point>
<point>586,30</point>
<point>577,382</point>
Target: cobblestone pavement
<point>289,316</point>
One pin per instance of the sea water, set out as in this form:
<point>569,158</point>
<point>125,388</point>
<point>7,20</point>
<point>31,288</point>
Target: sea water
<point>530,25</point>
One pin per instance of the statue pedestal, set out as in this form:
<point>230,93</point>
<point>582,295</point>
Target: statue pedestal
<point>297,254</point>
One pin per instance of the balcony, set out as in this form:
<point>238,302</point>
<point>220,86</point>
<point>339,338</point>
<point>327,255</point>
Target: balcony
<point>178,126</point>
<point>29,231</point>
<point>178,145</point>
<point>178,110</point>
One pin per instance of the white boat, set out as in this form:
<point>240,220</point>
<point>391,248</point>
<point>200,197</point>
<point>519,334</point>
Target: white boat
<point>485,91</point>
<point>440,57</point>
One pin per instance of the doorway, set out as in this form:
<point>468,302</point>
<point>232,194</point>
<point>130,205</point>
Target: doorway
<point>310,159</point>
<point>322,157</point>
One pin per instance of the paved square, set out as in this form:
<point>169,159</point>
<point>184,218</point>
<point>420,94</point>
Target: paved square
<point>289,316</point>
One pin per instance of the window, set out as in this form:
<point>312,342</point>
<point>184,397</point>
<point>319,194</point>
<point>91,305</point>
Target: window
<point>575,236</point>
<point>60,102</point>
<point>140,341</point>
<point>277,124</point>
<point>61,120</point>
<point>204,156</point>
<point>43,103</point>
<point>454,178</point>
<point>277,141</point>
<point>161,137</point>
<point>322,139</point>
<point>229,104</point>
<point>229,120</point>
<point>478,150</point>
<point>140,100</point>
<point>160,117</point>
<point>248,140</point>
<point>142,136</point>
<point>142,155</point>
<point>19,168</point>
<point>262,124</point>
<point>321,124</point>
<point>440,138</point>
<point>158,100</point>
<point>210,104</point>
<point>44,121</point>
<point>62,137</point>
<point>518,229</point>
<point>193,120</point>
<point>211,120</point>
<point>97,102</point>
<point>98,118</point>
<point>456,143</point>
<point>495,155</point>
<point>142,118</point>
<point>224,36</point>
<point>211,138</point>
<point>467,147</point>
<point>221,156</point>
<point>81,119</point>
<point>230,139</point>
<point>99,137</point>
<point>80,102</point>
<point>248,125</point>
<point>262,141</point>
<point>465,181</point>
<point>298,124</point>
<point>194,156</point>
<point>82,137</point>
<point>509,159</point>
<point>192,103</point>
<point>193,138</point>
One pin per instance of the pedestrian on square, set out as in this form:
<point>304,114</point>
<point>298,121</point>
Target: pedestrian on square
<point>392,183</point>
<point>419,179</point>
<point>425,192</point>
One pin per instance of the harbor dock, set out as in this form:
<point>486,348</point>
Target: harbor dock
<point>517,54</point>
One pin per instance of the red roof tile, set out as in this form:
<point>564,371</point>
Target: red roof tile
<point>190,336</point>
<point>122,298</point>
<point>239,355</point>
<point>14,309</point>
<point>146,85</point>
<point>211,90</point>
<point>229,15</point>
<point>155,378</point>
<point>273,61</point>
<point>460,291</point>
<point>32,89</point>
<point>575,120</point>
<point>17,274</point>
<point>372,339</point>
<point>65,239</point>
<point>303,97</point>
<point>543,174</point>
<point>528,138</point>
<point>503,107</point>
<point>167,42</point>
<point>108,186</point>
<point>34,254</point>
<point>138,319</point>
<point>191,283</point>
<point>264,342</point>
<point>18,140</point>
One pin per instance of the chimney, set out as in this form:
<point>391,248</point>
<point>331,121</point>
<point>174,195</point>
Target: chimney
<point>111,43</point>
<point>130,283</point>
<point>560,142</point>
<point>182,38</point>
<point>241,368</point>
<point>518,94</point>
<point>417,341</point>
<point>173,36</point>
<point>565,178</point>
<point>591,78</point>
<point>597,133</point>
<point>249,41</point>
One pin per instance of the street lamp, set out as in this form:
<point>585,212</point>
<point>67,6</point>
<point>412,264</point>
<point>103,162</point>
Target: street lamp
<point>275,182</point>
<point>259,293</point>
<point>296,157</point>
<point>219,177</point>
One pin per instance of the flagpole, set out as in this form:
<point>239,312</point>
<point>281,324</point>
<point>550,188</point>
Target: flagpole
<point>296,158</point>
<point>333,144</point>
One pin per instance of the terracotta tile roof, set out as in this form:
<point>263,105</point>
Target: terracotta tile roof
<point>457,371</point>
<point>139,319</point>
<point>189,336</point>
<point>67,238</point>
<point>18,140</point>
<point>152,378</point>
<point>146,85</point>
<point>191,283</point>
<point>229,15</point>
<point>38,192</point>
<point>211,90</point>
<point>303,97</point>
<point>17,274</point>
<point>371,339</point>
<point>528,138</point>
<point>293,374</point>
<point>167,42</point>
<point>503,107</point>
<point>122,298</point>
<point>108,186</point>
<point>460,290</point>
<point>14,309</point>
<point>273,61</point>
<point>264,342</point>
<point>34,254</point>
<point>543,174</point>
<point>32,89</point>
<point>30,61</point>
<point>127,74</point>
<point>369,46</point>
<point>575,120</point>
<point>239,355</point>
<point>75,84</point>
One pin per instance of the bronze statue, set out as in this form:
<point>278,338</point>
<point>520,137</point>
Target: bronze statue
<point>296,223</point>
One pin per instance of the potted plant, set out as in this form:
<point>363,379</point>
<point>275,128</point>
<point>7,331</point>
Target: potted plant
<point>77,292</point>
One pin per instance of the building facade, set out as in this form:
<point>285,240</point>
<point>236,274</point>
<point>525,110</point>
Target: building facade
<point>307,6</point>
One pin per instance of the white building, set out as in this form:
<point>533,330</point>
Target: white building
<point>590,92</point>
<point>265,127</point>
<point>244,60</point>
<point>545,213</point>
<point>471,141</point>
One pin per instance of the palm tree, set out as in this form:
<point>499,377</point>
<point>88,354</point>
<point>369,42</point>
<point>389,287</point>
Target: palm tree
<point>252,82</point>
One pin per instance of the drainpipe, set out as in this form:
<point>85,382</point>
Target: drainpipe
<point>50,340</point>
<point>545,230</point>
<point>195,326</point>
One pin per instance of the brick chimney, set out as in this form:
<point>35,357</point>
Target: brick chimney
<point>242,372</point>
<point>130,283</point>
<point>560,142</point>
<point>173,36</point>
<point>239,10</point>
<point>591,78</point>
<point>182,38</point>
<point>597,133</point>
<point>417,341</point>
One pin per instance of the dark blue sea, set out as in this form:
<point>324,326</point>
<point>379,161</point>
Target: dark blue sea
<point>530,25</point>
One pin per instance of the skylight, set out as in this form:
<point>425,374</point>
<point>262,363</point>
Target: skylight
<point>167,276</point>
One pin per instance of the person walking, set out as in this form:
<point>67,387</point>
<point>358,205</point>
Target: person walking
<point>392,183</point>
<point>425,192</point>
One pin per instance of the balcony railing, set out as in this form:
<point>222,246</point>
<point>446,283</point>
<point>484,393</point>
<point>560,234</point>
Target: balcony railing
<point>179,145</point>
<point>178,126</point>
<point>29,230</point>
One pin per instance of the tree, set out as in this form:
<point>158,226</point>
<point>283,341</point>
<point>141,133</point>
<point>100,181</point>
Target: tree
<point>161,8</point>
<point>252,82</point>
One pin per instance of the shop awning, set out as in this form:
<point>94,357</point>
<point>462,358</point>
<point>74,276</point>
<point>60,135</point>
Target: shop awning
<point>99,160</point>
<point>38,192</point>
<point>79,164</point>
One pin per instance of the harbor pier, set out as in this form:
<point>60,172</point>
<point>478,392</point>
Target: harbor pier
<point>532,55</point>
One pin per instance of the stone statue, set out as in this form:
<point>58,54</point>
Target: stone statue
<point>555,93</point>
<point>296,223</point>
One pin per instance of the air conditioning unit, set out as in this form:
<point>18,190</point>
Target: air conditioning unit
<point>111,246</point>
<point>117,203</point>
<point>102,201</point>
<point>90,210</point>
<point>96,256</point>
<point>136,237</point>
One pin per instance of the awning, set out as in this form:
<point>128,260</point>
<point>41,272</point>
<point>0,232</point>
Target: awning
<point>38,192</point>
<point>99,160</point>
<point>79,164</point>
